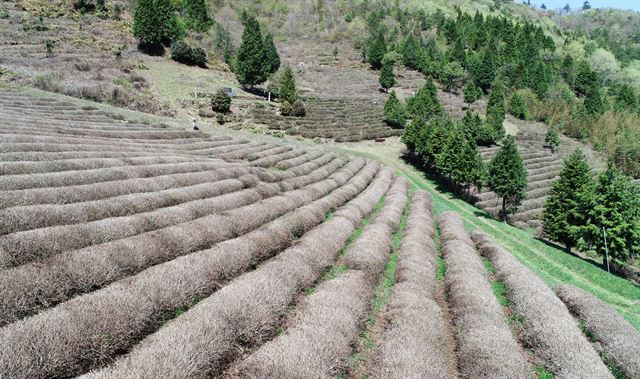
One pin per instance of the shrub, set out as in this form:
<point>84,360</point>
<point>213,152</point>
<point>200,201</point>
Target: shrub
<point>221,102</point>
<point>299,109</point>
<point>192,56</point>
<point>3,14</point>
<point>220,119</point>
<point>286,109</point>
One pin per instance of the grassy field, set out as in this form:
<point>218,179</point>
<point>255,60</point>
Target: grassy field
<point>552,264</point>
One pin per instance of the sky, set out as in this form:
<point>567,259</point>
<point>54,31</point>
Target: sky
<point>620,4</point>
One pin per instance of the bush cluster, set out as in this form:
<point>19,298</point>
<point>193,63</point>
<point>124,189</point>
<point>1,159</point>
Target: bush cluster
<point>192,56</point>
<point>221,101</point>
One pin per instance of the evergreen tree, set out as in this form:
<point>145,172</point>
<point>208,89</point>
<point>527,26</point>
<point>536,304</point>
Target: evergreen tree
<point>394,113</point>
<point>387,78</point>
<point>539,79</point>
<point>376,51</point>
<point>411,53</point>
<point>616,207</point>
<point>626,99</point>
<point>287,90</point>
<point>167,22</point>
<point>567,71</point>
<point>197,17</point>
<point>518,108</point>
<point>447,159</point>
<point>552,139</point>
<point>486,72</point>
<point>250,68</point>
<point>471,93</point>
<point>508,177</point>
<point>496,110</point>
<point>430,142</point>
<point>271,56</point>
<point>593,103</point>
<point>471,171</point>
<point>411,134</point>
<point>458,53</point>
<point>145,24</point>
<point>569,195</point>
<point>452,76</point>
<point>425,103</point>
<point>475,130</point>
<point>586,80</point>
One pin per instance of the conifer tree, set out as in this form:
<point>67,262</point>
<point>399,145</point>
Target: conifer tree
<point>448,158</point>
<point>552,139</point>
<point>518,108</point>
<point>496,110</point>
<point>167,22</point>
<point>567,71</point>
<point>425,103</point>
<point>197,17</point>
<point>616,207</point>
<point>250,68</point>
<point>411,53</point>
<point>430,142</point>
<point>486,72</point>
<point>471,170</point>
<point>569,195</point>
<point>475,130</point>
<point>287,89</point>
<point>471,93</point>
<point>411,134</point>
<point>626,99</point>
<point>376,51</point>
<point>508,177</point>
<point>387,79</point>
<point>539,79</point>
<point>145,24</point>
<point>452,76</point>
<point>271,56</point>
<point>394,113</point>
<point>593,103</point>
<point>586,79</point>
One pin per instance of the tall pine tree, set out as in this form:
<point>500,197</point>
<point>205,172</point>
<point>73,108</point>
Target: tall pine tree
<point>425,103</point>
<point>508,177</point>
<point>271,56</point>
<point>616,207</point>
<point>377,50</point>
<point>387,79</point>
<point>167,21</point>
<point>496,110</point>
<point>562,216</point>
<point>145,24</point>
<point>394,113</point>
<point>250,68</point>
<point>287,90</point>
<point>197,17</point>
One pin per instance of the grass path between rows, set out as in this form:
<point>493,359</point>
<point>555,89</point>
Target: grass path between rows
<point>553,265</point>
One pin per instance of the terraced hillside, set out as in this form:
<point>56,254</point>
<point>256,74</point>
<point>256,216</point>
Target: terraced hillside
<point>341,120</point>
<point>134,250</point>
<point>50,46</point>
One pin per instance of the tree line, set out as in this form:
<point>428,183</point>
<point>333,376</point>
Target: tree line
<point>450,149</point>
<point>472,52</point>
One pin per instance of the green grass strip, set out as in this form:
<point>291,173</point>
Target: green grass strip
<point>381,296</point>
